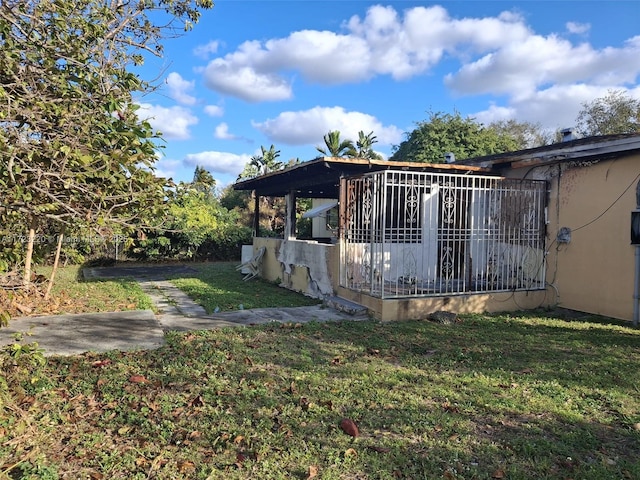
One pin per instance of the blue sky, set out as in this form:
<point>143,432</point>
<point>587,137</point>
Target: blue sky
<point>285,72</point>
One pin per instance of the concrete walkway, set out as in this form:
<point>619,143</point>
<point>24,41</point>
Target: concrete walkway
<point>142,329</point>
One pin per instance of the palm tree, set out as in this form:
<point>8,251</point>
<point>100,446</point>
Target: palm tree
<point>266,162</point>
<point>269,158</point>
<point>364,144</point>
<point>337,147</point>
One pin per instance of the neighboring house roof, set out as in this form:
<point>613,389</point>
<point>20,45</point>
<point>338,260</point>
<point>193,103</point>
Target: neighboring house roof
<point>320,178</point>
<point>583,149</point>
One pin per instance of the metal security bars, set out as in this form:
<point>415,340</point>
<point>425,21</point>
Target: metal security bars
<point>419,234</point>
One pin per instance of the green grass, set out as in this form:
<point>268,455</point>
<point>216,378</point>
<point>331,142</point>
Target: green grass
<point>71,294</point>
<point>517,397</point>
<point>220,285</point>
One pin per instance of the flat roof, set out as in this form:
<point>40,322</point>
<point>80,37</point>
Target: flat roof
<point>320,177</point>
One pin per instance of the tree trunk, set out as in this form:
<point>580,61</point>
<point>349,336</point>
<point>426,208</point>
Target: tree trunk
<point>55,266</point>
<point>29,255</point>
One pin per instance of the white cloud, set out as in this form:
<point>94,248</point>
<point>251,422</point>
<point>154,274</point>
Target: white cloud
<point>578,28</point>
<point>179,88</point>
<point>309,126</point>
<point>245,82</point>
<point>214,110</point>
<point>553,108</point>
<point>222,132</point>
<point>520,68</point>
<point>542,78</point>
<point>173,122</point>
<point>206,50</point>
<point>381,43</point>
<point>222,163</point>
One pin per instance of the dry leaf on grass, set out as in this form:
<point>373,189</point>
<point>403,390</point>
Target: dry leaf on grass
<point>313,472</point>
<point>349,427</point>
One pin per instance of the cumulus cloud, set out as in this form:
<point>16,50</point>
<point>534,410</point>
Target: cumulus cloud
<point>222,163</point>
<point>309,126</point>
<point>553,108</point>
<point>540,78</point>
<point>578,28</point>
<point>214,110</point>
<point>246,83</point>
<point>172,122</point>
<point>222,132</point>
<point>179,88</point>
<point>381,43</point>
<point>520,68</point>
<point>206,50</point>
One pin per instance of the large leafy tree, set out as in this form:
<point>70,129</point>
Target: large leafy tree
<point>444,132</point>
<point>73,151</point>
<point>616,112</point>
<point>526,134</point>
<point>335,146</point>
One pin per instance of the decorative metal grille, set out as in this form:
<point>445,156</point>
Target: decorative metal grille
<point>414,234</point>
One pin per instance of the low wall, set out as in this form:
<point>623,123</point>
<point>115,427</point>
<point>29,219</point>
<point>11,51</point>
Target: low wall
<point>300,265</point>
<point>421,307</point>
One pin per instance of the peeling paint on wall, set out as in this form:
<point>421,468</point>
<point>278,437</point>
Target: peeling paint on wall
<point>312,256</point>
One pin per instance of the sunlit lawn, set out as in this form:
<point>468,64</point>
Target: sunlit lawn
<point>488,398</point>
<point>219,285</point>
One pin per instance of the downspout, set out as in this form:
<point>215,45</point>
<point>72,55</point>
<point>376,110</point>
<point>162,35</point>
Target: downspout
<point>636,285</point>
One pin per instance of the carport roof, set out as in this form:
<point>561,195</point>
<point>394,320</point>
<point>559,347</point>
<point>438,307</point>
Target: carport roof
<point>320,177</point>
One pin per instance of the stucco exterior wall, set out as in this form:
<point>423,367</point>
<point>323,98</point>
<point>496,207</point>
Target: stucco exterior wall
<point>300,265</point>
<point>421,307</point>
<point>594,271</point>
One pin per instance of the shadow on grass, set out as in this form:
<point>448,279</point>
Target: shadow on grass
<point>492,397</point>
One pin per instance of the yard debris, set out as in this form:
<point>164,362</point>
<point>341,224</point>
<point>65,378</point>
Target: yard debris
<point>444,318</point>
<point>349,427</point>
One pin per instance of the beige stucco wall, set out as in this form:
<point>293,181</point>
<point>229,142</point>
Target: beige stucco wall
<point>300,265</point>
<point>594,272</point>
<point>421,307</point>
<point>301,279</point>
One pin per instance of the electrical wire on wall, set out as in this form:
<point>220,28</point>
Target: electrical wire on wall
<point>609,207</point>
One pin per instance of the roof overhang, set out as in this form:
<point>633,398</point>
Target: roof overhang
<point>320,178</point>
<point>584,149</point>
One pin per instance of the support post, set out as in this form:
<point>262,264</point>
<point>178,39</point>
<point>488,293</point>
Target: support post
<point>290,213</point>
<point>256,214</point>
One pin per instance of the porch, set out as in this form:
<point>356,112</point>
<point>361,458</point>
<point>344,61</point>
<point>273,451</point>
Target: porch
<point>416,240</point>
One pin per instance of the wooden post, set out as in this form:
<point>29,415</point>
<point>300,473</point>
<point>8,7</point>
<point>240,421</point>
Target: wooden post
<point>256,214</point>
<point>55,266</point>
<point>290,215</point>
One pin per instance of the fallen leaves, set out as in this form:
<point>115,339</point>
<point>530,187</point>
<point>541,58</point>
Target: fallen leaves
<point>101,363</point>
<point>138,379</point>
<point>349,427</point>
<point>312,472</point>
<point>498,474</point>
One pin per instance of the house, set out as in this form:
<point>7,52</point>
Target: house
<point>534,228</point>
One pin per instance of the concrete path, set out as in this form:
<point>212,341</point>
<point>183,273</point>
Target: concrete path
<point>142,329</point>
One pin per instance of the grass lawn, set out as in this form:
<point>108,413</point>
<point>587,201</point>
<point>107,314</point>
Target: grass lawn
<point>493,397</point>
<point>70,294</point>
<point>220,285</point>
